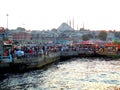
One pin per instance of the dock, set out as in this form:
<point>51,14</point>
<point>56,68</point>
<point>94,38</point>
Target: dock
<point>33,62</point>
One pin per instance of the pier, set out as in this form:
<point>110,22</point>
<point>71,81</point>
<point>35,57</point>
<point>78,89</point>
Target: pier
<point>33,62</point>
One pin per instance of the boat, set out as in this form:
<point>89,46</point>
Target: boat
<point>109,50</point>
<point>98,48</point>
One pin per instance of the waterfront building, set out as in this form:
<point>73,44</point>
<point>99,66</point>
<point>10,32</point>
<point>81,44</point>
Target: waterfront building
<point>111,36</point>
<point>22,37</point>
<point>64,34</point>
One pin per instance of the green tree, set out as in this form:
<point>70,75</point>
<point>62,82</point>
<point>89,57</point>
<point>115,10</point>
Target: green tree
<point>21,28</point>
<point>102,35</point>
<point>117,42</point>
<point>117,34</point>
<point>87,37</point>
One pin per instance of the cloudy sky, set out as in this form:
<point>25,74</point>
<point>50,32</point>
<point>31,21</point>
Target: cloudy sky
<point>48,14</point>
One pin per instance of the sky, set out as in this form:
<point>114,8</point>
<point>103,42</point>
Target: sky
<point>49,14</point>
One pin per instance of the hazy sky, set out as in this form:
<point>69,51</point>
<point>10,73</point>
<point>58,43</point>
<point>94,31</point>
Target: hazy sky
<point>48,14</point>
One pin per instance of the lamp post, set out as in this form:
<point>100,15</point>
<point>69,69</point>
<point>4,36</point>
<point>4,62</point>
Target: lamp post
<point>7,20</point>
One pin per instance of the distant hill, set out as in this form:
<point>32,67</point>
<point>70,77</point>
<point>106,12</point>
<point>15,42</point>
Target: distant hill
<point>64,27</point>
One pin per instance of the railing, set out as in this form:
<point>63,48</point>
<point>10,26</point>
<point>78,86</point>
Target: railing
<point>77,52</point>
<point>35,56</point>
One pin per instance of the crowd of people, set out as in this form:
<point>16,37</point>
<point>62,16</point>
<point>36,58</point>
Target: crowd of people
<point>33,51</point>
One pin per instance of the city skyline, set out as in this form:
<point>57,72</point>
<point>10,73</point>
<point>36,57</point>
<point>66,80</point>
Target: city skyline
<point>48,14</point>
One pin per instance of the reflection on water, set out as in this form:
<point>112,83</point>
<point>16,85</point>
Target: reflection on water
<point>75,74</point>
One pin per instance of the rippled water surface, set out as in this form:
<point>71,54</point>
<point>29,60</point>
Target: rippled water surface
<point>75,74</point>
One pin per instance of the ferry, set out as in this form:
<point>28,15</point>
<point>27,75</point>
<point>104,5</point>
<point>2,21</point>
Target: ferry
<point>108,49</point>
<point>98,48</point>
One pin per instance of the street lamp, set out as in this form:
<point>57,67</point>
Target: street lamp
<point>7,20</point>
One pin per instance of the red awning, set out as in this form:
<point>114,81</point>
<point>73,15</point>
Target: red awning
<point>87,42</point>
<point>7,42</point>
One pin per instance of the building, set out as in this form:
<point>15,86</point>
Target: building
<point>22,36</point>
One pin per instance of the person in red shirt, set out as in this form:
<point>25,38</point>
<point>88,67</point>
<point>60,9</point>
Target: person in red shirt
<point>5,53</point>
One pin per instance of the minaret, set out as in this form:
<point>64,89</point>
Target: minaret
<point>73,23</point>
<point>77,26</point>
<point>67,22</point>
<point>83,25</point>
<point>70,23</point>
<point>7,20</point>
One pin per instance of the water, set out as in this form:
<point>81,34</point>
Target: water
<point>74,74</point>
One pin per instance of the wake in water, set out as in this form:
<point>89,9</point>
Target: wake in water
<point>74,74</point>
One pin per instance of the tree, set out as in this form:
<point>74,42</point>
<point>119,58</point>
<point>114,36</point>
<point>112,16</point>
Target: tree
<point>20,28</point>
<point>102,35</point>
<point>117,34</point>
<point>117,42</point>
<point>87,37</point>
